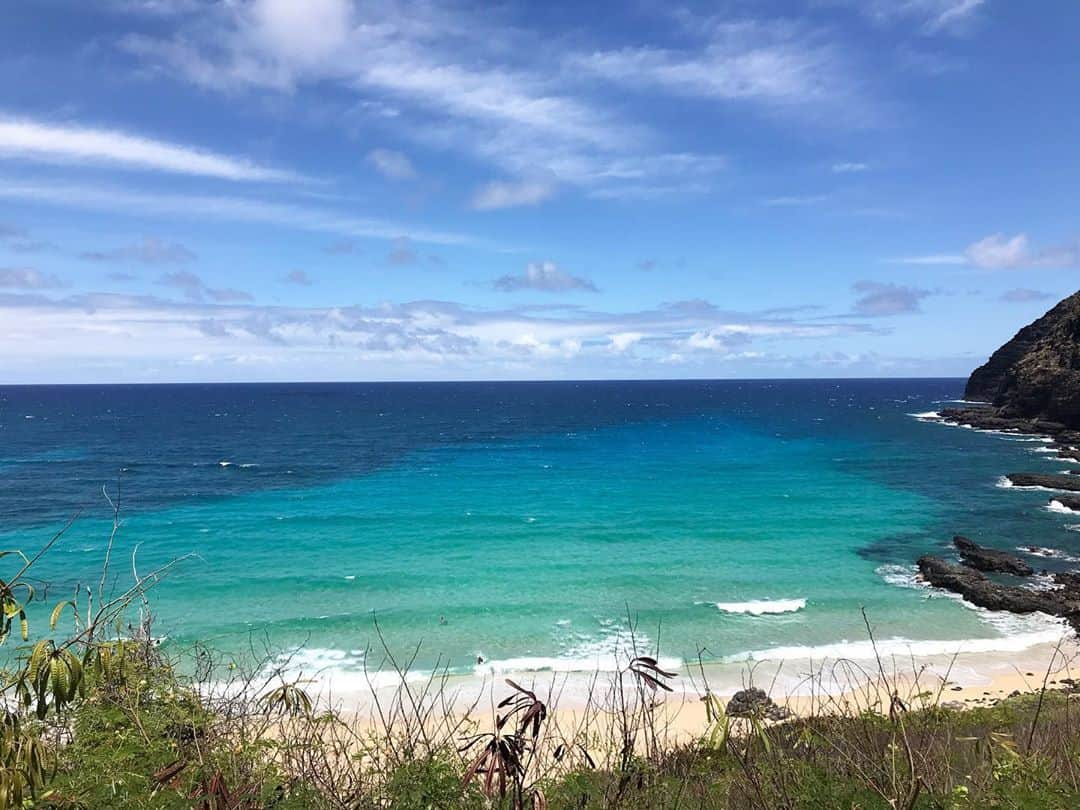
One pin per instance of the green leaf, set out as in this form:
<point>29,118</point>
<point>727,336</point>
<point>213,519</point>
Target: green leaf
<point>59,609</point>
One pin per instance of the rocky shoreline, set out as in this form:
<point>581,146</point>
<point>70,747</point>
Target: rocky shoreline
<point>1061,598</point>
<point>1031,387</point>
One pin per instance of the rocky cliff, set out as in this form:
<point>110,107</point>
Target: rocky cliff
<point>1036,375</point>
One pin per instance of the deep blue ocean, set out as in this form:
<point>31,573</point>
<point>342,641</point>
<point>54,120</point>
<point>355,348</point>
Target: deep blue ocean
<point>530,523</point>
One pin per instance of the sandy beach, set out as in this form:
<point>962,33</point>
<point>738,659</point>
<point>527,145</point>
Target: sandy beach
<point>580,701</point>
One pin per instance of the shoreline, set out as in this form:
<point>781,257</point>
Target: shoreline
<point>805,686</point>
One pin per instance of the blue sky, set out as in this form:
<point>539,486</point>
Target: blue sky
<point>323,190</point>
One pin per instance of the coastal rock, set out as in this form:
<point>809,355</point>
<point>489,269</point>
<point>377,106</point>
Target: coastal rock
<point>1063,482</point>
<point>754,702</point>
<point>983,592</point>
<point>1036,375</point>
<point>988,559</point>
<point>986,418</point>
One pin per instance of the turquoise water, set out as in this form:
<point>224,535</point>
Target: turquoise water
<point>530,527</point>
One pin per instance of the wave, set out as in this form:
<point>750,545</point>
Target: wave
<point>926,416</point>
<point>1060,508</point>
<point>902,576</point>
<point>609,653</point>
<point>1048,553</point>
<point>885,648</point>
<point>1004,483</point>
<point>759,607</point>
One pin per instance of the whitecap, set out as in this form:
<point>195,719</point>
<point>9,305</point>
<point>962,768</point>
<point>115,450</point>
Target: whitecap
<point>225,463</point>
<point>864,649</point>
<point>1048,553</point>
<point>902,576</point>
<point>1060,508</point>
<point>926,416</point>
<point>759,607</point>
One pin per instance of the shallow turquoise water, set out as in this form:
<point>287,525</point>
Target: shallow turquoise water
<point>536,535</point>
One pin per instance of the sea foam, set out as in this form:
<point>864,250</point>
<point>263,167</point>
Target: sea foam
<point>1060,508</point>
<point>759,607</point>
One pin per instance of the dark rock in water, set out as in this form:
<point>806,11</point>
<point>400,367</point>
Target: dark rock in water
<point>1068,501</point>
<point>753,702</point>
<point>983,592</point>
<point>989,559</point>
<point>985,418</point>
<point>1036,375</point>
<point>1064,482</point>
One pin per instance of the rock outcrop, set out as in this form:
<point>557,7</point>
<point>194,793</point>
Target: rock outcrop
<point>1062,600</point>
<point>754,702</point>
<point>989,559</point>
<point>1036,375</point>
<point>1066,483</point>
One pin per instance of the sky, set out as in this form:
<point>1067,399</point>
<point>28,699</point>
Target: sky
<point>327,190</point>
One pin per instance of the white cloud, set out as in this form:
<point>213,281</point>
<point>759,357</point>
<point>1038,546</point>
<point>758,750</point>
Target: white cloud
<point>740,61</point>
<point>932,259</point>
<point>512,194</point>
<point>236,209</point>
<point>543,276</point>
<point>468,82</point>
<point>999,252</point>
<point>392,165</point>
<point>622,341</point>
<point>850,168</point>
<point>33,140</point>
<point>932,16</point>
<point>40,336</point>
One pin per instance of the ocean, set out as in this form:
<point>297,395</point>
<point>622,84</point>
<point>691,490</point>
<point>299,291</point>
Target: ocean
<point>540,526</point>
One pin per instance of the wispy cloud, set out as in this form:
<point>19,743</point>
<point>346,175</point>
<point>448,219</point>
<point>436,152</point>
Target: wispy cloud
<point>194,289</point>
<point>505,194</point>
<point>235,209</point>
<point>25,139</point>
<point>773,62</point>
<point>148,250</point>
<point>794,201</point>
<point>932,16</point>
<point>545,277</point>
<point>850,168</point>
<point>1001,252</point>
<point>326,342</point>
<point>1023,296</point>
<point>402,253</point>
<point>391,164</point>
<point>879,300</point>
<point>24,278</point>
<point>299,278</point>
<point>472,83</point>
